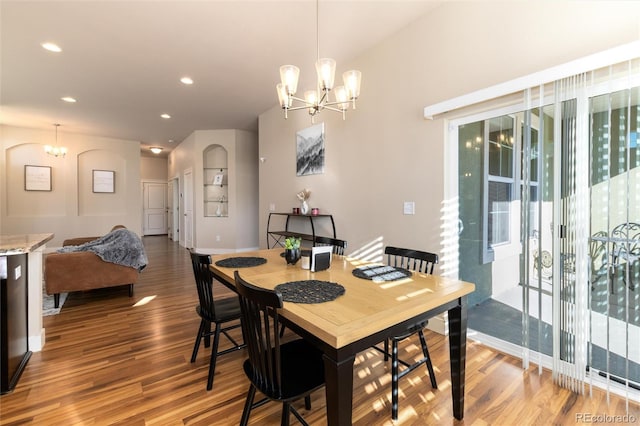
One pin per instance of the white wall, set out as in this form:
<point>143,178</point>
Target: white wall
<point>386,152</point>
<point>153,168</point>
<point>70,209</point>
<point>238,231</point>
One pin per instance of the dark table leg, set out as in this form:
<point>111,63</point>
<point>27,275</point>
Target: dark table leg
<point>339,390</point>
<point>458,354</point>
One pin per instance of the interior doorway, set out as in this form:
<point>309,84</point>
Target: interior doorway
<point>154,209</point>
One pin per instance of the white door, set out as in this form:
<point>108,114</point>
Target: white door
<point>175,196</point>
<point>170,226</point>
<point>187,197</point>
<point>154,208</point>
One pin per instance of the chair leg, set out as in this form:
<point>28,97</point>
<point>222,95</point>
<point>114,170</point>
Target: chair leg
<point>394,379</point>
<point>386,350</point>
<point>56,300</point>
<point>207,334</point>
<point>425,352</point>
<point>196,346</point>
<point>247,405</point>
<point>286,409</point>
<point>214,357</point>
<point>307,402</point>
<point>130,290</point>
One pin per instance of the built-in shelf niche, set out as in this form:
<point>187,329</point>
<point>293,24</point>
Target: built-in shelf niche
<point>215,181</point>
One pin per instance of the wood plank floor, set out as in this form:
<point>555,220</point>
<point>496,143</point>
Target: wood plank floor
<point>114,360</point>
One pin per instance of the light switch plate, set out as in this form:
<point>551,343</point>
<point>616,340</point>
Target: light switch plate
<point>409,207</point>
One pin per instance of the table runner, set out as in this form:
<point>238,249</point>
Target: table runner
<point>309,291</point>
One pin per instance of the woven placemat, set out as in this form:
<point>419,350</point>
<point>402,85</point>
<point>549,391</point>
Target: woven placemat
<point>241,262</point>
<point>309,291</point>
<point>381,273</point>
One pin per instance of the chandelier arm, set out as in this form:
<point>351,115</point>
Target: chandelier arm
<point>299,107</point>
<point>330,108</point>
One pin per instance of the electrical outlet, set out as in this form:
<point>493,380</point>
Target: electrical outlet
<point>409,207</point>
<point>272,207</point>
<point>218,238</point>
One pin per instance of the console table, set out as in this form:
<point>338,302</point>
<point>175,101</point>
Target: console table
<point>277,236</point>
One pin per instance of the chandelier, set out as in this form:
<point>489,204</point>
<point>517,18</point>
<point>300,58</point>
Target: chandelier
<point>317,100</point>
<point>56,151</point>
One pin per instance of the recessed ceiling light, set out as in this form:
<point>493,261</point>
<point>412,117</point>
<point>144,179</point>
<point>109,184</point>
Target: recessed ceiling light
<point>51,47</point>
<point>186,80</point>
<point>156,149</point>
<point>165,116</point>
<point>69,99</point>
<point>171,141</point>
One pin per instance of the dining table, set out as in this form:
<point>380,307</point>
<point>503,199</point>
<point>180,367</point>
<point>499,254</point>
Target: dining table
<point>366,313</point>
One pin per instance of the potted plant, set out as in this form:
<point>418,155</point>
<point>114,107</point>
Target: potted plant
<point>292,250</point>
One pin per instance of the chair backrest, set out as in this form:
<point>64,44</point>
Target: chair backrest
<point>204,284</point>
<point>626,239</point>
<point>415,260</point>
<point>261,331</point>
<point>338,245</point>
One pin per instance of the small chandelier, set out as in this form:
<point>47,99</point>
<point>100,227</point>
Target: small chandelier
<point>56,151</point>
<point>317,100</point>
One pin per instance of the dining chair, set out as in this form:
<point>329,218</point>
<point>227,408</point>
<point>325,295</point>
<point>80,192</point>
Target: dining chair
<point>626,251</point>
<point>338,245</point>
<point>423,262</point>
<point>283,372</point>
<point>599,261</point>
<point>218,311</point>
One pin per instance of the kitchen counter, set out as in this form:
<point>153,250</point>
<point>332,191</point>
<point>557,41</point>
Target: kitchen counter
<point>22,243</point>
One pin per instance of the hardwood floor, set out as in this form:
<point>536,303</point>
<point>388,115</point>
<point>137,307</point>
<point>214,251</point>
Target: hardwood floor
<point>114,360</point>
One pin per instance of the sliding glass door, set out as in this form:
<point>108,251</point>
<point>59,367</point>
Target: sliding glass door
<point>549,227</point>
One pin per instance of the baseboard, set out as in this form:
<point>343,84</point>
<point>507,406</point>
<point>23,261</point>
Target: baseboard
<point>439,324</point>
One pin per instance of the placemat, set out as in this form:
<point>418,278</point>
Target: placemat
<point>309,291</point>
<point>241,262</point>
<point>381,273</point>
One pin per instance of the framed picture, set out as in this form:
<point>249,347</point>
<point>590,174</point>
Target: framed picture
<point>310,150</point>
<point>104,181</point>
<point>217,179</point>
<point>37,178</point>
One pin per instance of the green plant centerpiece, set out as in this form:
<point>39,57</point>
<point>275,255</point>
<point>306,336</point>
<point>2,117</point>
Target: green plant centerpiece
<point>292,251</point>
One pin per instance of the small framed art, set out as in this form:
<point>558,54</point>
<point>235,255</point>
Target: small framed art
<point>104,181</point>
<point>37,178</point>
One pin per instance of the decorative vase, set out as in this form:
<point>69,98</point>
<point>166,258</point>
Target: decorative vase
<point>304,207</point>
<point>292,256</point>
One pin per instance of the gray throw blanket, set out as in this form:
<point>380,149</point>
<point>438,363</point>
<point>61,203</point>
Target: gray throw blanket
<point>121,246</point>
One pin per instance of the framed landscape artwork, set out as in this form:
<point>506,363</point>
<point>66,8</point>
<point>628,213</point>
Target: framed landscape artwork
<point>310,150</point>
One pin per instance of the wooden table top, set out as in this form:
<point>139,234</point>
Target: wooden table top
<point>365,308</point>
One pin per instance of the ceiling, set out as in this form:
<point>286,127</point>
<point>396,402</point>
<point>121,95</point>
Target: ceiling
<point>123,60</point>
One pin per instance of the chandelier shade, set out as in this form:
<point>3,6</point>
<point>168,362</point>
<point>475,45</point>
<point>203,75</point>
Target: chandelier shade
<point>319,99</point>
<point>55,150</point>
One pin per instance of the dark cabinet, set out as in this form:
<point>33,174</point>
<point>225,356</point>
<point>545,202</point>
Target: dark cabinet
<point>14,333</point>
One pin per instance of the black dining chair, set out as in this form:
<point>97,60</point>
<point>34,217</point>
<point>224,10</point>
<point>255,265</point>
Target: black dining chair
<point>283,372</point>
<point>423,262</point>
<point>338,245</point>
<point>218,311</point>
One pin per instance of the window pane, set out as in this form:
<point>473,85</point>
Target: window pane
<point>501,146</point>
<point>499,203</point>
